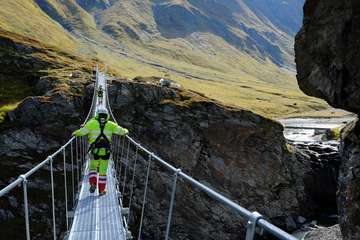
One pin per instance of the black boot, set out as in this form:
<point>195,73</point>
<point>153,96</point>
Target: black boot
<point>92,188</point>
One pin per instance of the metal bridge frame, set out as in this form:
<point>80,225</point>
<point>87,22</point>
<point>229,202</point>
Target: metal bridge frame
<point>254,219</point>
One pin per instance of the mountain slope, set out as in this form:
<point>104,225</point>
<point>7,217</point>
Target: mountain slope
<point>26,18</point>
<point>236,51</point>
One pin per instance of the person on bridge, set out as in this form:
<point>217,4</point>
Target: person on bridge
<point>100,93</point>
<point>99,130</point>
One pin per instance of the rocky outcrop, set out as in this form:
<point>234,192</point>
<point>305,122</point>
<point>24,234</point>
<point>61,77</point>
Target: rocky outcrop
<point>327,52</point>
<point>325,163</point>
<point>331,233</point>
<point>349,186</point>
<point>240,154</point>
<point>327,57</point>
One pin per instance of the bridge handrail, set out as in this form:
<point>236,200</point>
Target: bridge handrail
<point>22,177</point>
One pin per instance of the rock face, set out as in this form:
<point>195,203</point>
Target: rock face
<point>349,184</point>
<point>241,154</point>
<point>327,57</point>
<point>327,52</point>
<point>325,163</point>
<point>331,233</point>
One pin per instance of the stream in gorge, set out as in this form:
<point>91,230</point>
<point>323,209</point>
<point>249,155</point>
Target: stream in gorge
<point>319,139</point>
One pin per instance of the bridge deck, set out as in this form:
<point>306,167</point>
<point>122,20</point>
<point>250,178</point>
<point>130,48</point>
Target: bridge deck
<point>98,217</point>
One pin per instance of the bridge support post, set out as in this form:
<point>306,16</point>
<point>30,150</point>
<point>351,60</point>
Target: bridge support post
<point>172,200</point>
<point>126,163</point>
<point>132,182</point>
<point>120,160</point>
<point>26,206</point>
<point>144,197</point>
<point>72,172</point>
<point>80,158</point>
<point>251,225</point>
<point>77,162</point>
<point>66,192</point>
<point>52,196</point>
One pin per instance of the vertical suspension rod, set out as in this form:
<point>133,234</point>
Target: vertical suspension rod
<point>144,197</point>
<point>65,188</point>
<point>172,200</point>
<point>26,207</point>
<point>52,197</point>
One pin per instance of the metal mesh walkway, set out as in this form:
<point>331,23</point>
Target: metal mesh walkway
<point>98,217</point>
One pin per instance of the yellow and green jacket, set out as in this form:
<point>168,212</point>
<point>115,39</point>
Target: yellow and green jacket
<point>92,130</point>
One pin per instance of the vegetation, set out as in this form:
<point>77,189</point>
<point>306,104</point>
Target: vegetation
<point>11,94</point>
<point>7,108</point>
<point>336,132</point>
<point>26,18</point>
<point>14,90</point>
<point>208,64</point>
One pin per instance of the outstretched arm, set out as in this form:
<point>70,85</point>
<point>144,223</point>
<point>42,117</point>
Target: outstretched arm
<point>119,130</point>
<point>81,132</point>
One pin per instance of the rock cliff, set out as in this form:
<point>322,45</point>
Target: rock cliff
<point>327,57</point>
<point>232,150</point>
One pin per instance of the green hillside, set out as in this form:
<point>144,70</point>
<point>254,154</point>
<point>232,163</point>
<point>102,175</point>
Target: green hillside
<point>222,49</point>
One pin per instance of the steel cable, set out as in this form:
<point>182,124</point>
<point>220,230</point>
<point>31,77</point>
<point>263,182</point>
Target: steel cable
<point>53,198</point>
<point>132,182</point>
<point>172,200</point>
<point>144,197</point>
<point>126,167</point>
<point>65,188</point>
<point>72,172</point>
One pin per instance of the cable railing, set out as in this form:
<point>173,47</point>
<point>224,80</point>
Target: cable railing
<point>72,153</point>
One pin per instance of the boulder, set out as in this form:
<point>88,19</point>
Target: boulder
<point>327,57</point>
<point>324,233</point>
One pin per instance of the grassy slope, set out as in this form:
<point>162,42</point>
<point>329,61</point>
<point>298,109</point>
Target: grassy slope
<point>25,18</point>
<point>216,68</point>
<point>220,71</point>
<point>23,60</point>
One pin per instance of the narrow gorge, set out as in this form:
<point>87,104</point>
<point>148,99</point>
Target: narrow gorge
<point>327,57</point>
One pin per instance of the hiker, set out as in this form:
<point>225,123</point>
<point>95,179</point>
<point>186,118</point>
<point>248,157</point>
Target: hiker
<point>100,93</point>
<point>99,130</point>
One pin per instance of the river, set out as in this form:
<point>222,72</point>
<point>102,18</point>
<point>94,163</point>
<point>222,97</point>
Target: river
<point>315,138</point>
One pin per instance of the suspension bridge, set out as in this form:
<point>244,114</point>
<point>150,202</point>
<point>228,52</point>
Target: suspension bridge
<point>90,216</point>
